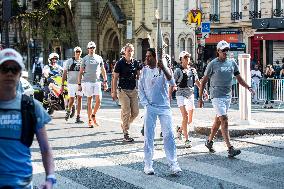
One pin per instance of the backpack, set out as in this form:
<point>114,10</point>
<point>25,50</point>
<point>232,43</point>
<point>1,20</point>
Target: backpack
<point>29,120</point>
<point>182,80</point>
<point>73,65</point>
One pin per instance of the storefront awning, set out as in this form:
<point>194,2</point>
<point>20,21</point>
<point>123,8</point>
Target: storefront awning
<point>269,36</point>
<point>215,38</point>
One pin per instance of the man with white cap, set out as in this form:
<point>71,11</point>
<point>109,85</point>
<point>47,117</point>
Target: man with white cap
<point>16,134</point>
<point>92,67</point>
<point>71,69</point>
<point>220,71</point>
<point>186,77</point>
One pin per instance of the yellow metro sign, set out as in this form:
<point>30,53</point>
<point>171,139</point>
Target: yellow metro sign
<point>194,16</point>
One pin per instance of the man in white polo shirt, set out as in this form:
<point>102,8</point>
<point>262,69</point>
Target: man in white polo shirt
<point>92,67</point>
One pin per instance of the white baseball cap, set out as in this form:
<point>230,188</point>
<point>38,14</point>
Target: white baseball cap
<point>222,45</point>
<point>183,53</point>
<point>77,49</point>
<point>91,44</point>
<point>12,55</point>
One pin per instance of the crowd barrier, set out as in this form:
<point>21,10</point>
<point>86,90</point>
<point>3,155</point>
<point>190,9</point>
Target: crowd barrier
<point>271,90</point>
<point>266,90</point>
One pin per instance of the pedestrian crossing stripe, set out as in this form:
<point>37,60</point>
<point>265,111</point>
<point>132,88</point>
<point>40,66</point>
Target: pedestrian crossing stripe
<point>122,173</point>
<point>187,164</point>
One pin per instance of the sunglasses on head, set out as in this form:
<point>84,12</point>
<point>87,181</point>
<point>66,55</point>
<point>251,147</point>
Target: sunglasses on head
<point>14,69</point>
<point>225,50</point>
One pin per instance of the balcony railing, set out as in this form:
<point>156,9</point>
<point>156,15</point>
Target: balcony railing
<point>236,15</point>
<point>278,13</point>
<point>254,14</point>
<point>214,17</point>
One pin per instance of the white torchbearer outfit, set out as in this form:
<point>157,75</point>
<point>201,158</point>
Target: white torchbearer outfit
<point>153,94</point>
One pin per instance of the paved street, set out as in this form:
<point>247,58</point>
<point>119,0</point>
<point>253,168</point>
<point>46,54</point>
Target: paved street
<point>98,157</point>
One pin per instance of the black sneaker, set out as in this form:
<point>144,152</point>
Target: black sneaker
<point>127,138</point>
<point>78,120</point>
<point>209,145</point>
<point>67,115</point>
<point>232,152</point>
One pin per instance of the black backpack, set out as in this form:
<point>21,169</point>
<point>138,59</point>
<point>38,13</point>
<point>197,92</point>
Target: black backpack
<point>29,120</point>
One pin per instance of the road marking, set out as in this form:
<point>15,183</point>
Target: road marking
<point>62,182</point>
<point>207,170</point>
<point>104,166</point>
<point>126,174</point>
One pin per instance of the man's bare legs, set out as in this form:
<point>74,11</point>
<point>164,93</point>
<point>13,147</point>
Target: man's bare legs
<point>96,108</point>
<point>225,130</point>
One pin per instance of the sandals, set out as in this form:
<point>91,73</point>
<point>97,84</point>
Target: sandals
<point>91,124</point>
<point>94,120</point>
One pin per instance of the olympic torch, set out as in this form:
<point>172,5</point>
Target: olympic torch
<point>159,36</point>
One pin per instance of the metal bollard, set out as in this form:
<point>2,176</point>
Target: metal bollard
<point>244,94</point>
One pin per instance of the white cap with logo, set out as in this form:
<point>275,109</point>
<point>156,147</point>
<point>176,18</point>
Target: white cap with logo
<point>183,53</point>
<point>91,44</point>
<point>11,55</point>
<point>77,49</point>
<point>222,45</point>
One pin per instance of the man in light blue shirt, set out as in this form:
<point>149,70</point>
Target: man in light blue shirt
<point>153,93</point>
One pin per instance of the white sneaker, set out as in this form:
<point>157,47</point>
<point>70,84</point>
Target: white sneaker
<point>175,169</point>
<point>148,170</point>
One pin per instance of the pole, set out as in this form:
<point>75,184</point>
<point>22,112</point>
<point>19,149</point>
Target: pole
<point>244,94</point>
<point>172,29</point>
<point>7,42</point>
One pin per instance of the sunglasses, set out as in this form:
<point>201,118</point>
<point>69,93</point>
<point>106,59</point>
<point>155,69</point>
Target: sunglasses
<point>186,57</point>
<point>78,51</point>
<point>54,59</point>
<point>91,47</point>
<point>225,50</point>
<point>14,70</point>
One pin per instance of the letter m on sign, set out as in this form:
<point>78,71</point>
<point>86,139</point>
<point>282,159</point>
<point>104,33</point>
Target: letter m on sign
<point>194,16</point>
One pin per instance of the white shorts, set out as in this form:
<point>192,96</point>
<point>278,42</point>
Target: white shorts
<point>89,89</point>
<point>221,105</point>
<point>187,102</point>
<point>73,90</point>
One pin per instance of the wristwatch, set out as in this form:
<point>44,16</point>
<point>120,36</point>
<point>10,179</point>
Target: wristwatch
<point>51,178</point>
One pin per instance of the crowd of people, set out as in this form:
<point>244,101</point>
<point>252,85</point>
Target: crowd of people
<point>151,84</point>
